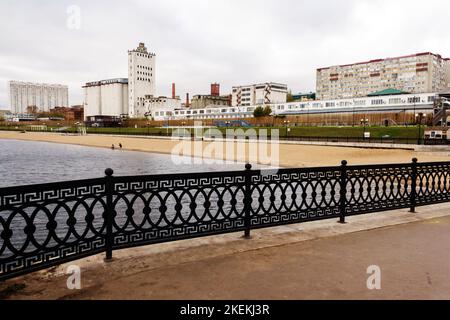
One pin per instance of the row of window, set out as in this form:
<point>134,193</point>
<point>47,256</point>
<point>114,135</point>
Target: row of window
<point>201,111</point>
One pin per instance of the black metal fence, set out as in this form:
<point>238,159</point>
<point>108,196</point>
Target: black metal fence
<point>49,224</point>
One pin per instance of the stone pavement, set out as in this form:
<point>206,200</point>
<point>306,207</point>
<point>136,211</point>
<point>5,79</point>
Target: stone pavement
<point>316,260</point>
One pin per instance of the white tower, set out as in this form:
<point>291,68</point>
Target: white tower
<point>141,79</point>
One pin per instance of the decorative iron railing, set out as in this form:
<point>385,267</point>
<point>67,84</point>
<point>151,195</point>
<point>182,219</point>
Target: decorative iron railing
<point>49,224</point>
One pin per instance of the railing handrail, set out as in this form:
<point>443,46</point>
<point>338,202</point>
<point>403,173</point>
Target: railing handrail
<point>204,203</point>
<point>178,176</point>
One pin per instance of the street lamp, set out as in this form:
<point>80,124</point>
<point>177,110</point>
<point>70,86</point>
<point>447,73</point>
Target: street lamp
<point>419,117</point>
<point>286,122</point>
<point>364,122</point>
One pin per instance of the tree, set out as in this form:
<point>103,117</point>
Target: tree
<point>258,112</point>
<point>289,97</point>
<point>267,111</point>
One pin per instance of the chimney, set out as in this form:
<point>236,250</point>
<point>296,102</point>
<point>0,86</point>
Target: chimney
<point>215,89</point>
<point>187,100</point>
<point>173,90</point>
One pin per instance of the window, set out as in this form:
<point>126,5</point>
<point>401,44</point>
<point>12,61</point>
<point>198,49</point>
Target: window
<point>414,100</point>
<point>377,102</point>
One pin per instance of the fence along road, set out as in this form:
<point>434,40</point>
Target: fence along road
<point>49,224</point>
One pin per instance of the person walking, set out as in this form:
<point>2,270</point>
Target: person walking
<point>120,145</point>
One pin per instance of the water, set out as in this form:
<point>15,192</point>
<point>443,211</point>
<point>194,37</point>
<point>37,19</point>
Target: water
<point>26,162</point>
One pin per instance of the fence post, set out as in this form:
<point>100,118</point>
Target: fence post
<point>343,191</point>
<point>109,189</point>
<point>247,200</point>
<point>413,185</point>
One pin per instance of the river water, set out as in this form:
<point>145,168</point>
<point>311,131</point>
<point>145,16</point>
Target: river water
<point>27,162</point>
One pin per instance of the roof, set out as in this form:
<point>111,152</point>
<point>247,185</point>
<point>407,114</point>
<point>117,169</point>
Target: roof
<point>387,92</point>
<point>107,81</point>
<point>380,60</point>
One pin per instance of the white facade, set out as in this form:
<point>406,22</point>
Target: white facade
<point>141,79</point>
<point>259,94</point>
<point>151,104</point>
<point>40,95</point>
<point>394,103</point>
<point>106,98</point>
<point>417,73</point>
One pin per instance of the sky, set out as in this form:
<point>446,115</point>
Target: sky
<point>198,42</point>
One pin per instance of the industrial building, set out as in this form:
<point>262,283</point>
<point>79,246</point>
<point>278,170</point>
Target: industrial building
<point>141,79</point>
<point>417,73</point>
<point>212,100</point>
<point>259,94</point>
<point>123,96</point>
<point>39,97</point>
<point>382,104</point>
<point>106,98</point>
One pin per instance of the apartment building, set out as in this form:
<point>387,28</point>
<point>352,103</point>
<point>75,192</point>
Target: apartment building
<point>259,94</point>
<point>41,97</point>
<point>417,73</point>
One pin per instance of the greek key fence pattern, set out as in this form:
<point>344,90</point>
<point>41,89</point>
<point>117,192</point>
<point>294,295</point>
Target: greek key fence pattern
<point>49,224</point>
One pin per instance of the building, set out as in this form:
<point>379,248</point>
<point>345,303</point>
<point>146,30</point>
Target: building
<point>152,103</point>
<point>4,113</point>
<point>259,94</point>
<point>304,96</point>
<point>41,96</point>
<point>74,113</point>
<point>417,73</point>
<point>106,98</point>
<point>403,104</point>
<point>141,79</point>
<point>212,100</point>
<point>205,113</point>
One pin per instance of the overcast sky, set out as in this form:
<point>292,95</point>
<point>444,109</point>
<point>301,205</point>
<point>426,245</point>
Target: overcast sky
<point>198,42</point>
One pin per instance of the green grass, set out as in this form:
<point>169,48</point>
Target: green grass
<point>351,132</point>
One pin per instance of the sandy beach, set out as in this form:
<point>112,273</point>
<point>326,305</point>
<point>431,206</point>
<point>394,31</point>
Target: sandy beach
<point>290,155</point>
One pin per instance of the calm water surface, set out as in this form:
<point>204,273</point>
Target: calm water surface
<point>29,162</point>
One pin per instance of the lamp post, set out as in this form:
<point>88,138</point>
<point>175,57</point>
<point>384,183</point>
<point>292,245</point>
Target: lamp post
<point>286,122</point>
<point>364,122</point>
<point>419,117</point>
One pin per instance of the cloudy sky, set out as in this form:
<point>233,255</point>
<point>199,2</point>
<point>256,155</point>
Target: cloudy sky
<point>198,42</point>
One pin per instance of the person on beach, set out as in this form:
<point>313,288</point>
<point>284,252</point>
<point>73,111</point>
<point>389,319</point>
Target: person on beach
<point>120,145</point>
<point>112,147</point>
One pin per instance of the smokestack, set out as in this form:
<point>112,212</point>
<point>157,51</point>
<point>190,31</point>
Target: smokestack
<point>173,90</point>
<point>187,100</point>
<point>215,89</point>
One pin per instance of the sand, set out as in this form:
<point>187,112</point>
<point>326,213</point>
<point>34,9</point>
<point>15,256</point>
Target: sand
<point>290,155</point>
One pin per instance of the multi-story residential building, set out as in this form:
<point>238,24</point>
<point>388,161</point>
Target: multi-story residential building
<point>37,96</point>
<point>417,73</point>
<point>141,79</point>
<point>259,94</point>
<point>106,98</point>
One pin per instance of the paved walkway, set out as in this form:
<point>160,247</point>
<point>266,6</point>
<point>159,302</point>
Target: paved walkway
<point>319,260</point>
